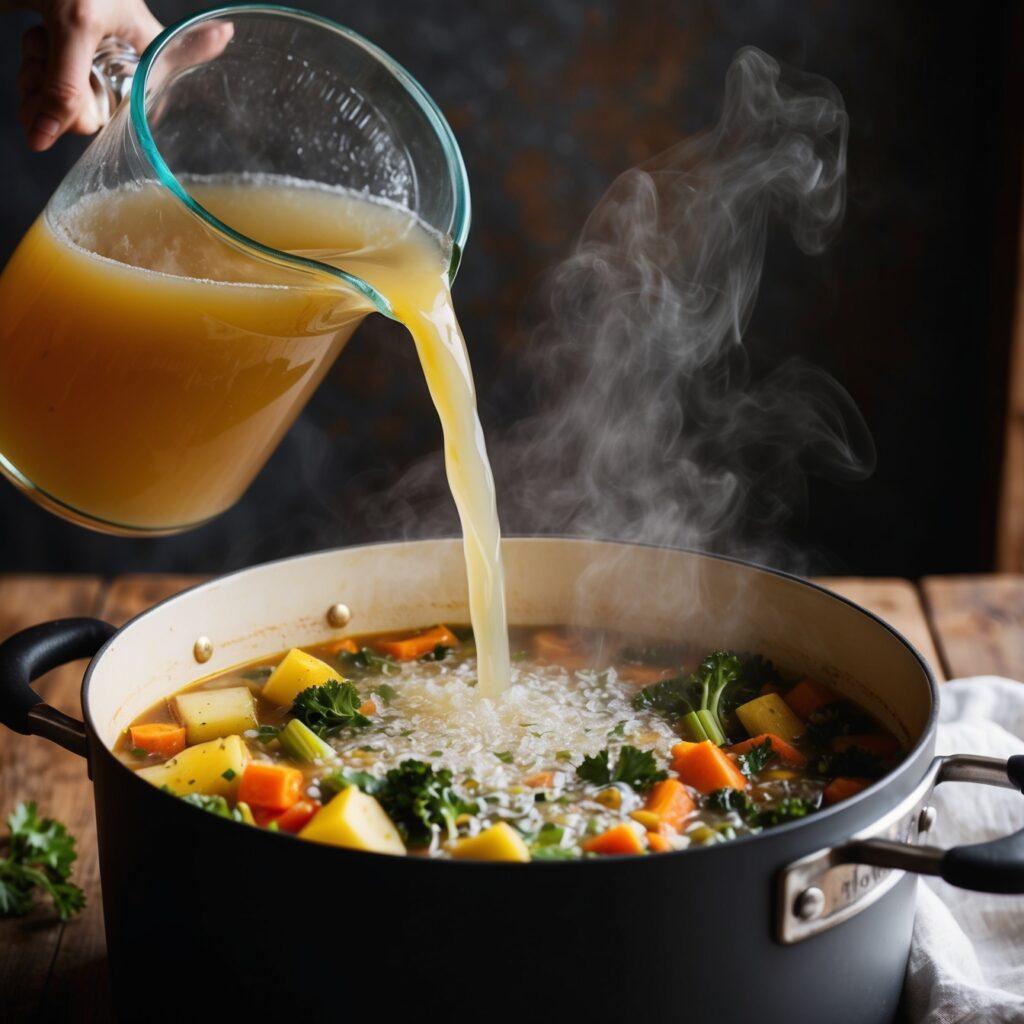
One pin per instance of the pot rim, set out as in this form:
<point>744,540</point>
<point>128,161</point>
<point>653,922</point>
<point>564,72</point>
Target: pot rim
<point>822,816</point>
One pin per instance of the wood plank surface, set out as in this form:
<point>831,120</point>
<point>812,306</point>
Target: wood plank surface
<point>34,769</point>
<point>898,602</point>
<point>1010,529</point>
<point>979,622</point>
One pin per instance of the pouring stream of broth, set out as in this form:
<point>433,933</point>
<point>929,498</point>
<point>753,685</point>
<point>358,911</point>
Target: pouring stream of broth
<point>176,353</point>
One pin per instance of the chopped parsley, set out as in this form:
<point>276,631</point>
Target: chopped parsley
<point>38,855</point>
<point>328,709</point>
<point>636,768</point>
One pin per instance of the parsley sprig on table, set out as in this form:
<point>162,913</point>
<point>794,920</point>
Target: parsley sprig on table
<point>38,855</point>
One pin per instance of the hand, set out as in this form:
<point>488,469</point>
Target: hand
<point>56,58</point>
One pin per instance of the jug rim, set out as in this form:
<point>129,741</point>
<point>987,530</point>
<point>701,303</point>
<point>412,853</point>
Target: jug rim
<point>461,212</point>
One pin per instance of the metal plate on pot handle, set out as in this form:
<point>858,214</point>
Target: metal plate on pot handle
<point>832,885</point>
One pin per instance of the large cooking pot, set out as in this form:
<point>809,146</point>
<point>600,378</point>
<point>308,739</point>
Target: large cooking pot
<point>810,921</point>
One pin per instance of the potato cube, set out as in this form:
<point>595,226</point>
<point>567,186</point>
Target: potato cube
<point>297,672</point>
<point>499,842</point>
<point>211,714</point>
<point>214,768</point>
<point>770,713</point>
<point>356,821</point>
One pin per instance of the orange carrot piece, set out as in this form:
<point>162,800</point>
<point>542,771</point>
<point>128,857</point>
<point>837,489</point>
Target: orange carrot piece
<point>273,786</point>
<point>669,800</point>
<point>347,644</point>
<point>843,788</point>
<point>542,780</point>
<point>707,767</point>
<point>368,707</point>
<point>411,647</point>
<point>643,675</point>
<point>619,839</point>
<point>783,750</point>
<point>657,843</point>
<point>297,816</point>
<point>873,743</point>
<point>562,650</point>
<point>807,696</point>
<point>162,738</point>
<point>681,747</point>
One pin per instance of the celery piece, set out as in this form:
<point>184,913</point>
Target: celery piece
<point>302,744</point>
<point>692,729</point>
<point>714,733</point>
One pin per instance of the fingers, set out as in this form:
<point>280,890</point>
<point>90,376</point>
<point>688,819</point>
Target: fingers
<point>60,98</point>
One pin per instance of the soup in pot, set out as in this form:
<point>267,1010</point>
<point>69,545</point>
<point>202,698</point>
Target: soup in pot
<point>604,745</point>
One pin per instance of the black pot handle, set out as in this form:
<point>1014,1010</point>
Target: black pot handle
<point>993,866</point>
<point>829,886</point>
<point>27,655</point>
<point>998,865</point>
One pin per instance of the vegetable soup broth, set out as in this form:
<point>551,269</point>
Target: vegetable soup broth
<point>599,746</point>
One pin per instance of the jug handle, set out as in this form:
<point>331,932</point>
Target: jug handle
<point>113,68</point>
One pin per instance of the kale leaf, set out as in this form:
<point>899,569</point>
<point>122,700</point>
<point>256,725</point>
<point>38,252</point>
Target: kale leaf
<point>366,662</point>
<point>636,768</point>
<point>416,797</point>
<point>853,761</point>
<point>214,805</point>
<point>38,855</point>
<point>757,758</point>
<point>328,709</point>
<point>736,800</point>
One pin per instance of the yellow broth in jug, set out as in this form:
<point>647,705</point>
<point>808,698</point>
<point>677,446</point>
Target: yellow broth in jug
<point>148,369</point>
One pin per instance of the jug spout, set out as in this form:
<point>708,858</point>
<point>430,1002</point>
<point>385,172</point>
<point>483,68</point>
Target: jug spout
<point>113,68</point>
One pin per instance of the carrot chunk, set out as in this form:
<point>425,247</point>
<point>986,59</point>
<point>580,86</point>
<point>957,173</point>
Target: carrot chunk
<point>807,696</point>
<point>162,738</point>
<point>297,816</point>
<point>411,647</point>
<point>619,839</point>
<point>272,786</point>
<point>347,644</point>
<point>562,650</point>
<point>843,788</point>
<point>669,800</point>
<point>707,767</point>
<point>783,750</point>
<point>541,780</point>
<point>368,707</point>
<point>873,743</point>
<point>643,675</point>
<point>657,843</point>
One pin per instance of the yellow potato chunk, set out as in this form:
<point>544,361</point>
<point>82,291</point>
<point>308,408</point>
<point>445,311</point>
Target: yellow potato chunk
<point>211,714</point>
<point>356,821</point>
<point>297,672</point>
<point>499,842</point>
<point>213,768</point>
<point>770,713</point>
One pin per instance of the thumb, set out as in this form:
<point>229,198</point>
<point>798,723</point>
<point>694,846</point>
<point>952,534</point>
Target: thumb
<point>65,89</point>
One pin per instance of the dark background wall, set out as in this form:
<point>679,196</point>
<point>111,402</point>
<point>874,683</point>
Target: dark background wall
<point>908,308</point>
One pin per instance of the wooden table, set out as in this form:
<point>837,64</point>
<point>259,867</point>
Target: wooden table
<point>964,625</point>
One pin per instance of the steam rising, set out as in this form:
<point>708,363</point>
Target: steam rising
<point>650,423</point>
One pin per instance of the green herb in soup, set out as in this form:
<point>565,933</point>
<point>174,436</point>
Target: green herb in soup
<point>605,745</point>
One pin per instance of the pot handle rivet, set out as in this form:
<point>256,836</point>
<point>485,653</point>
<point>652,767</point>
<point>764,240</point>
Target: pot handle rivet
<point>339,614</point>
<point>202,649</point>
<point>926,819</point>
<point>809,904</point>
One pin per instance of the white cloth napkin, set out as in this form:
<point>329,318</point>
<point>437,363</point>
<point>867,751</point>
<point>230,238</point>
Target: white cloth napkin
<point>967,959</point>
